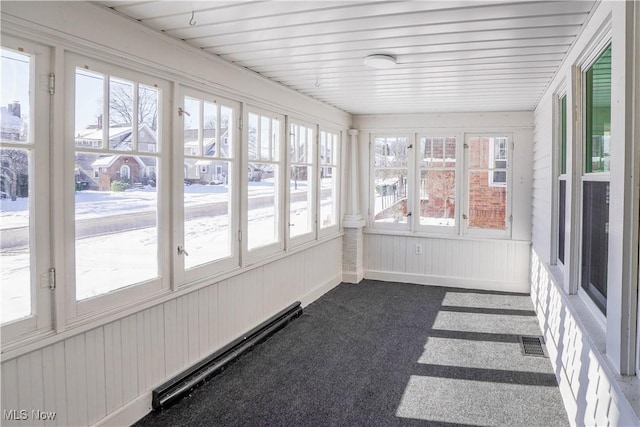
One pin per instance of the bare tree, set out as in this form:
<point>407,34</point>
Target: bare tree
<point>13,164</point>
<point>121,105</point>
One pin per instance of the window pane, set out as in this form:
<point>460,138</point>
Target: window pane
<point>487,203</point>
<point>595,241</point>
<point>563,136</point>
<point>226,132</point>
<point>275,140</point>
<point>209,135</point>
<point>437,181</point>
<point>301,181</point>
<point>116,225</point>
<point>14,237</point>
<point>300,208</point>
<point>254,135</point>
<point>479,154</point>
<point>207,215</point>
<point>390,195</point>
<point>562,203</point>
<point>120,114</point>
<point>265,141</point>
<point>262,205</point>
<point>391,152</point>
<point>191,127</point>
<point>433,152</point>
<point>328,193</point>
<point>437,197</point>
<point>89,107</point>
<point>15,105</point>
<point>328,148</point>
<point>598,114</point>
<point>147,119</point>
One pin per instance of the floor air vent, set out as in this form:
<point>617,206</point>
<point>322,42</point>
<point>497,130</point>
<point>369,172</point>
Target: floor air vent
<point>183,383</point>
<point>532,346</point>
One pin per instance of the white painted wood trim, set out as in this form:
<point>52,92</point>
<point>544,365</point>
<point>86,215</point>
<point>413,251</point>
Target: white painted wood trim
<point>128,414</point>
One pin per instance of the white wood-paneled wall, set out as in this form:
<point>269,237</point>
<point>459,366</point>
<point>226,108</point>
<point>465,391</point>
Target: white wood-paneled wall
<point>106,375</point>
<point>592,394</point>
<point>498,265</point>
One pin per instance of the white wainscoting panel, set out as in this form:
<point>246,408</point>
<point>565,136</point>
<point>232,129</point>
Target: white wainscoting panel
<point>105,375</point>
<point>498,265</point>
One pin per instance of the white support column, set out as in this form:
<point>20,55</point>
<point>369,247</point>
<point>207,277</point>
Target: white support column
<point>353,223</point>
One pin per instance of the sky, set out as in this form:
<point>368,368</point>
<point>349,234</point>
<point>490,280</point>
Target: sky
<point>15,80</point>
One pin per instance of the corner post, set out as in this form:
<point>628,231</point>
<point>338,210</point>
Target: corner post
<point>353,223</point>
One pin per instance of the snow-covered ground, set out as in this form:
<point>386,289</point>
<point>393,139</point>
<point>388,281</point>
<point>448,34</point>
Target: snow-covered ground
<point>109,262</point>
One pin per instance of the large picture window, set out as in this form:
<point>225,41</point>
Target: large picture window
<point>595,179</point>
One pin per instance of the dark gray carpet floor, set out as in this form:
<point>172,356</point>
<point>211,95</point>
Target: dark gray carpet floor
<point>380,354</point>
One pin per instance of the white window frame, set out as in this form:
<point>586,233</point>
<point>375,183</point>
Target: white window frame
<point>557,177</point>
<point>252,256</point>
<point>337,181</point>
<point>40,319</point>
<point>437,229</point>
<point>314,185</point>
<point>198,273</point>
<point>583,177</point>
<point>130,295</point>
<point>411,173</point>
<point>486,232</point>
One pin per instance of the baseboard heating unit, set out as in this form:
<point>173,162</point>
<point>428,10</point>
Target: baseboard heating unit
<point>177,387</point>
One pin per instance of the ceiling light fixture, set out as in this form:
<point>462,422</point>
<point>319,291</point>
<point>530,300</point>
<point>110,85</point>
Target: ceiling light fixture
<point>380,62</point>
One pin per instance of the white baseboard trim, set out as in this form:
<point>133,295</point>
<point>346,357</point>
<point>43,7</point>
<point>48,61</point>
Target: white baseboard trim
<point>356,277</point>
<point>321,290</point>
<point>449,282</point>
<point>128,414</point>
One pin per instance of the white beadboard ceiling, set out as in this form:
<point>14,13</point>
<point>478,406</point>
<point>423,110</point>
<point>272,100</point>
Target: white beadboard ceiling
<point>452,55</point>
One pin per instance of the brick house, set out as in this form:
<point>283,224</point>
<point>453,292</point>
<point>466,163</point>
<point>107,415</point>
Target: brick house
<point>131,169</point>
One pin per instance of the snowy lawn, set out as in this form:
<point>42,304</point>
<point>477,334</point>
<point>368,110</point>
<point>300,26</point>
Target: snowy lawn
<point>110,262</point>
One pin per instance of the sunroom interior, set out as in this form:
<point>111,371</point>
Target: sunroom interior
<point>175,173</point>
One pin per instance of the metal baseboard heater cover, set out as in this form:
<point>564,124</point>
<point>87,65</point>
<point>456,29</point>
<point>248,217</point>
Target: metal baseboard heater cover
<point>175,388</point>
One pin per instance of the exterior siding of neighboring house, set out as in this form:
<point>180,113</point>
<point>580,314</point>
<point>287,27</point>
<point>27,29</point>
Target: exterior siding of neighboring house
<point>200,169</point>
<point>97,171</point>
